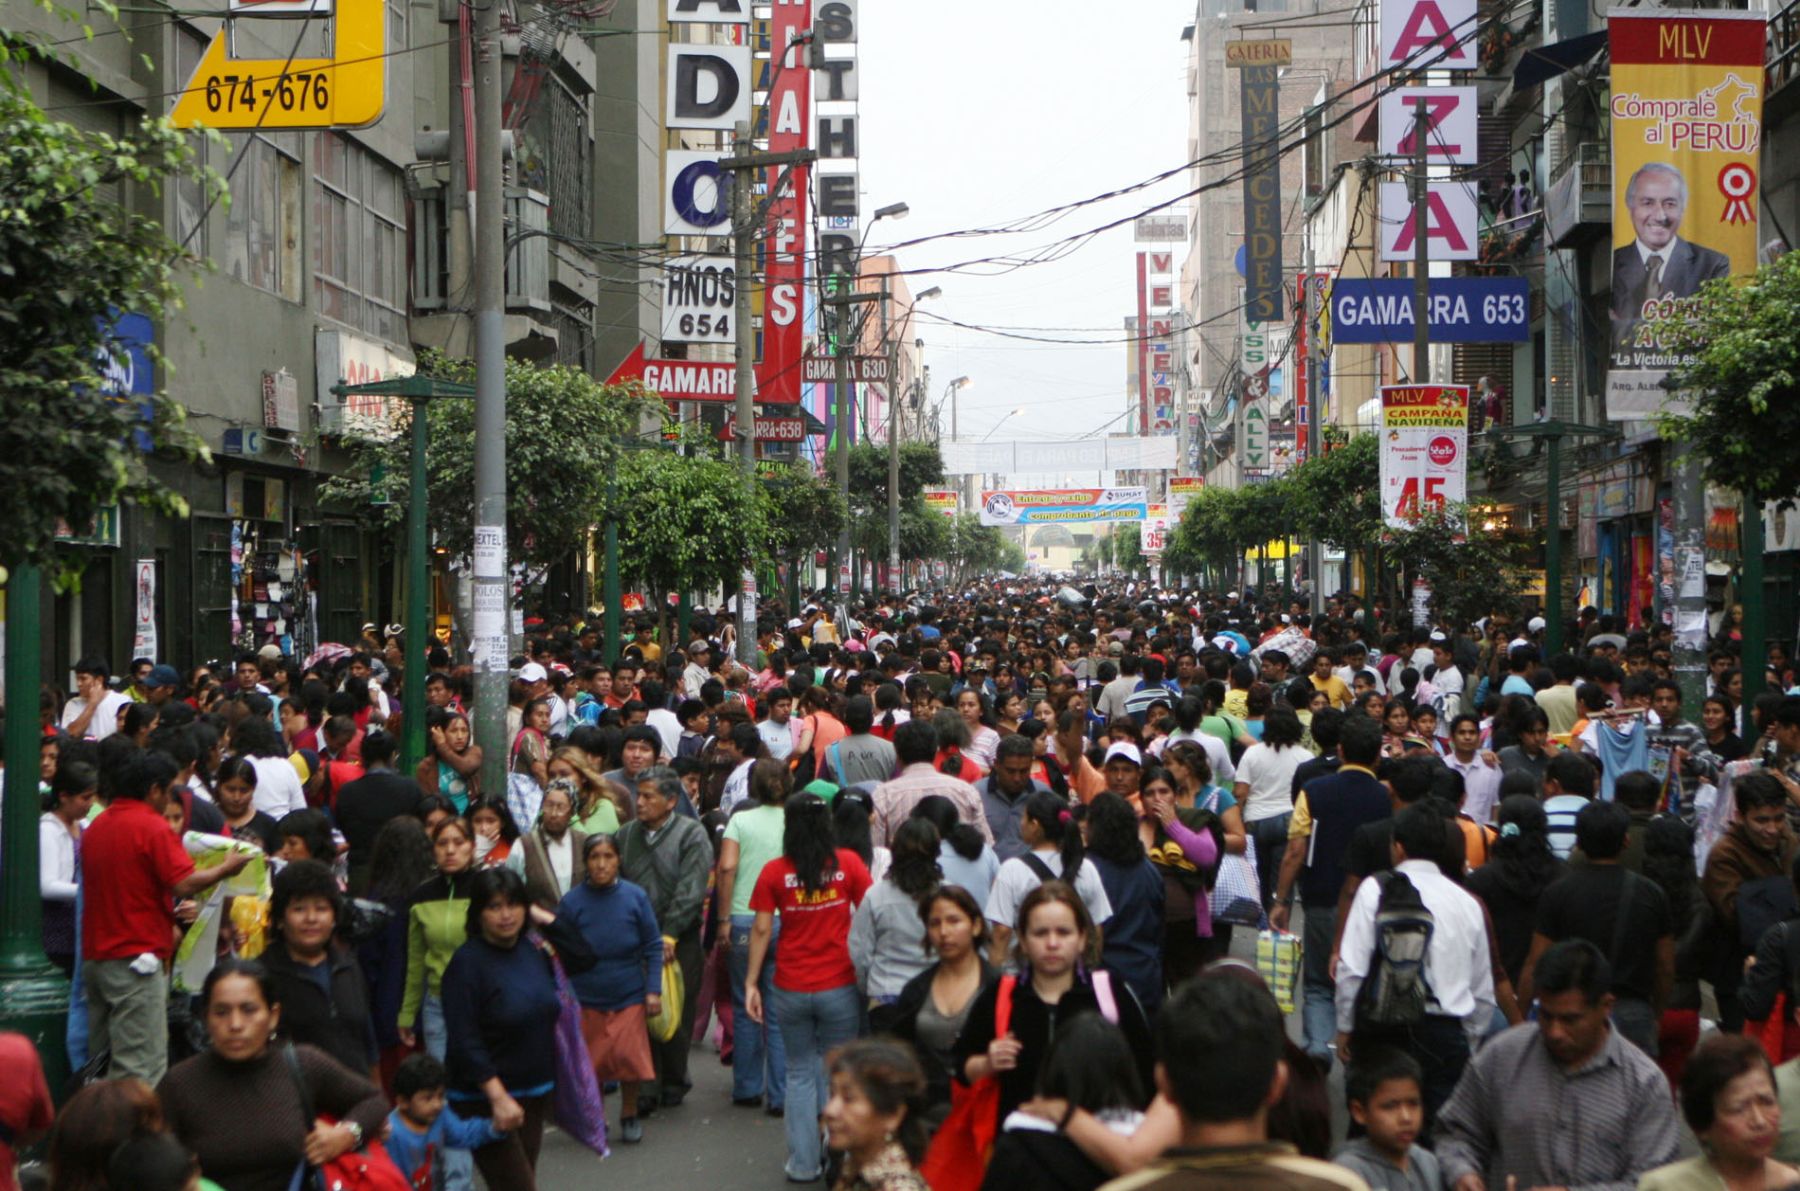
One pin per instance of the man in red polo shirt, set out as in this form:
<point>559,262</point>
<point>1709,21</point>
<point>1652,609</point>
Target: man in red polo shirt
<point>134,869</point>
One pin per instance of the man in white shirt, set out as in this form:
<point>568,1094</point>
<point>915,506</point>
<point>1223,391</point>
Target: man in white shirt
<point>93,714</point>
<point>698,671</point>
<point>1481,780</point>
<point>1448,680</point>
<point>1457,970</point>
<point>777,731</point>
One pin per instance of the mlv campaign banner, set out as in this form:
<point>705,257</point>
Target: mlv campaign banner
<point>1687,91</point>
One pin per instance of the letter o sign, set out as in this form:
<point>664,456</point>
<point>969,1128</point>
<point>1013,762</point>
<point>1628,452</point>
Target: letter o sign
<point>685,190</point>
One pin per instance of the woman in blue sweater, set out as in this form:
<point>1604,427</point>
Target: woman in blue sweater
<point>500,1010</point>
<point>624,987</point>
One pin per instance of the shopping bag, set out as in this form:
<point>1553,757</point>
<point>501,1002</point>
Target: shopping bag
<point>1236,898</point>
<point>1278,963</point>
<point>958,1157</point>
<point>575,1102</point>
<point>664,1024</point>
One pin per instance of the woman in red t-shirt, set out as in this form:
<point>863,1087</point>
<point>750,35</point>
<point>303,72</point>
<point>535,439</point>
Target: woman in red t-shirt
<point>815,886</point>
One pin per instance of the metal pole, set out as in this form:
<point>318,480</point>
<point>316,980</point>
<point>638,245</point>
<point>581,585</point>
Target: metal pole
<point>1755,657</point>
<point>610,597</point>
<point>492,642</point>
<point>418,578</point>
<point>1690,531</point>
<point>841,403</point>
<point>1315,550</point>
<point>743,204</point>
<point>1553,589</point>
<point>34,997</point>
<point>893,429</point>
<point>1421,252</point>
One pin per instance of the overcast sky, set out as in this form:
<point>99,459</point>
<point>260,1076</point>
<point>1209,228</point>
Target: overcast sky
<point>980,112</point>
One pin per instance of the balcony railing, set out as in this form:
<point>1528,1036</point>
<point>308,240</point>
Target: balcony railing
<point>1578,205</point>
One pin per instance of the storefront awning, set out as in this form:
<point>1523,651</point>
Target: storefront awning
<point>1545,62</point>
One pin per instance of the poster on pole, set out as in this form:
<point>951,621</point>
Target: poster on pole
<point>143,633</point>
<point>1424,450</point>
<point>1687,91</point>
<point>1037,506</point>
<point>944,501</point>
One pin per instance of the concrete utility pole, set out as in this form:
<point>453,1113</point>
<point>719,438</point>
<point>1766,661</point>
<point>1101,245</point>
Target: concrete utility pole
<point>746,217</point>
<point>893,443</point>
<point>492,593</point>
<point>1315,551</point>
<point>1421,252</point>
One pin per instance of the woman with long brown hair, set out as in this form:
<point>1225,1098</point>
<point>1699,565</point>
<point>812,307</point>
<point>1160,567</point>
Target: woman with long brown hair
<point>600,806</point>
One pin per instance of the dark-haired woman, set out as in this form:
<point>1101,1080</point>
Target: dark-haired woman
<point>437,917</point>
<point>1056,853</point>
<point>953,759</point>
<point>1264,786</point>
<point>495,832</point>
<point>874,1114</point>
<point>234,792</point>
<point>1090,1069</point>
<point>237,1105</point>
<point>324,998</point>
<point>452,767</point>
<point>1133,940</point>
<point>964,857</point>
<point>399,863</point>
<point>500,1007</point>
<point>1060,977</point>
<point>1728,1099</point>
<point>1520,866</point>
<point>934,1004</point>
<point>624,987</point>
<point>887,936</point>
<point>815,886</point>
<point>1669,862</point>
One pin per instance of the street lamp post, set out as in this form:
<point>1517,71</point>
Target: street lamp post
<point>893,433</point>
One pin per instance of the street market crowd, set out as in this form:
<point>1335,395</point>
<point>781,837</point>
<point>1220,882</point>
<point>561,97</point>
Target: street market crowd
<point>1006,886</point>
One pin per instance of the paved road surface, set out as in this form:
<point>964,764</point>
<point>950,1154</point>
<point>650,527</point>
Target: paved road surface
<point>705,1145</point>
<point>709,1145</point>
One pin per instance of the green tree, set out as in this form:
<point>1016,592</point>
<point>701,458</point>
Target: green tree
<point>563,436</point>
<point>804,514</point>
<point>1745,381</point>
<point>72,259</point>
<point>1128,547</point>
<point>976,549</point>
<point>687,522</point>
<point>1335,497</point>
<point>1472,572</point>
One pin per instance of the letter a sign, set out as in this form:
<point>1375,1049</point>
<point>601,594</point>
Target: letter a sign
<point>1420,33</point>
<point>1452,221</point>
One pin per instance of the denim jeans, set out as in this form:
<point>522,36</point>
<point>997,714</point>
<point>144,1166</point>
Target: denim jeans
<point>1271,842</point>
<point>1319,1013</point>
<point>758,1059</point>
<point>459,1164</point>
<point>811,1025</point>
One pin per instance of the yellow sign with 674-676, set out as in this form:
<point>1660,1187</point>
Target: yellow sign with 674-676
<point>346,90</point>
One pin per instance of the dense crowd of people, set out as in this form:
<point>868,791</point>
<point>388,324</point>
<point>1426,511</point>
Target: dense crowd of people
<point>962,886</point>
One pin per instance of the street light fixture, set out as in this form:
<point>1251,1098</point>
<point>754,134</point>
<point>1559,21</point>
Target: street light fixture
<point>891,211</point>
<point>893,425</point>
<point>1013,414</point>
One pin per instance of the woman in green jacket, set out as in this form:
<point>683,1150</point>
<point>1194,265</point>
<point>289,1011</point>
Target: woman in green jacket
<point>436,925</point>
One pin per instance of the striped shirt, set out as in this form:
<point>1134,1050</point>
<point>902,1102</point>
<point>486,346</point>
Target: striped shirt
<point>1518,1113</point>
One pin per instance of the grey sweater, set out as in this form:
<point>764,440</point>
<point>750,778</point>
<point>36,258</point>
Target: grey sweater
<point>887,940</point>
<point>672,868</point>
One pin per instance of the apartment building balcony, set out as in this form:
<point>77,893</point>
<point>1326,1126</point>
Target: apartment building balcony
<point>1781,98</point>
<point>1578,204</point>
<point>440,316</point>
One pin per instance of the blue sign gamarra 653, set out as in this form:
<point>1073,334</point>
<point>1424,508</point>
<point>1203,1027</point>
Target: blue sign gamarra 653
<point>1463,310</point>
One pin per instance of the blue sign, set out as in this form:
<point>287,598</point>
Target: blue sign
<point>1463,310</point>
<point>125,368</point>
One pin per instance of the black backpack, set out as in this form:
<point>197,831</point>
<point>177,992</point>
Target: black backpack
<point>1394,991</point>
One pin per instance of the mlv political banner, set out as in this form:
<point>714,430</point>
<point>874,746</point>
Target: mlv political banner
<point>1687,91</point>
<point>1424,450</point>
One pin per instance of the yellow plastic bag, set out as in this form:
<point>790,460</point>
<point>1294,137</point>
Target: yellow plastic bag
<point>663,1025</point>
<point>1278,963</point>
